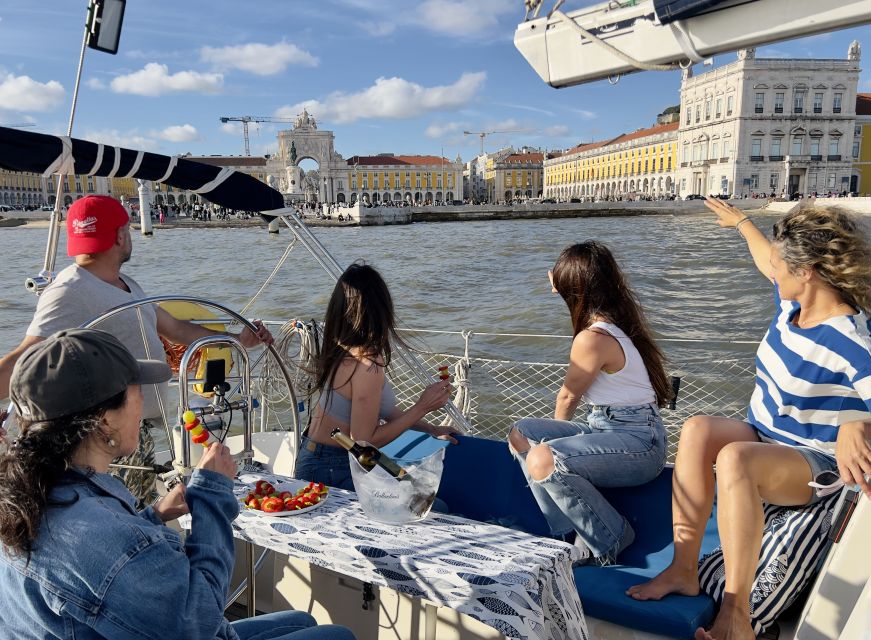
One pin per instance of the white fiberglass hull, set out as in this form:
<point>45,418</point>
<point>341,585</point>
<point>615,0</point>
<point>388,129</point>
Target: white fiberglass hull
<point>563,58</point>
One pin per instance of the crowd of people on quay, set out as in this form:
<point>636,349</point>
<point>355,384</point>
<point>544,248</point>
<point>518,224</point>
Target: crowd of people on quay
<point>85,398</point>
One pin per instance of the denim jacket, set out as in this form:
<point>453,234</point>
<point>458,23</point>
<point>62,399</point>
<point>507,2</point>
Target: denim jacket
<point>99,569</point>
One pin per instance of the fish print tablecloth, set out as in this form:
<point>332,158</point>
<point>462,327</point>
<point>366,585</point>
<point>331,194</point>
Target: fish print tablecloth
<point>517,583</point>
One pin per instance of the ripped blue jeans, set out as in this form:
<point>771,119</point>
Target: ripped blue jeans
<point>612,447</point>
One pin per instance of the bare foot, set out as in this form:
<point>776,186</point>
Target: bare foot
<point>731,624</point>
<point>672,580</point>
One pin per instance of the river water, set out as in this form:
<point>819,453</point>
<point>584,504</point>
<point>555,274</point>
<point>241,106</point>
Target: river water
<point>695,279</point>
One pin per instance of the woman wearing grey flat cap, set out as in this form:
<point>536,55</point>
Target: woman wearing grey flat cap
<point>78,560</point>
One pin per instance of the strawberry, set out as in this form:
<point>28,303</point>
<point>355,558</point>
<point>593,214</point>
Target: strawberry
<point>272,505</point>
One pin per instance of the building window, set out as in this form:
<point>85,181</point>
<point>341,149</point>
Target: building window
<point>708,109</point>
<point>726,148</point>
<point>855,149</point>
<point>689,114</point>
<point>698,113</point>
<point>760,103</point>
<point>730,103</point>
<point>772,181</point>
<point>831,182</point>
<point>812,180</point>
<point>815,149</point>
<point>778,102</point>
<point>836,104</point>
<point>756,149</point>
<point>686,153</point>
<point>683,184</point>
<point>714,149</point>
<point>834,143</point>
<point>857,131</point>
<point>724,185</point>
<point>775,149</point>
<point>719,111</point>
<point>697,152</point>
<point>818,103</point>
<point>796,146</point>
<point>754,180</point>
<point>798,100</point>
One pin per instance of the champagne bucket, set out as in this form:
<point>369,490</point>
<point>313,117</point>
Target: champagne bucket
<point>386,499</point>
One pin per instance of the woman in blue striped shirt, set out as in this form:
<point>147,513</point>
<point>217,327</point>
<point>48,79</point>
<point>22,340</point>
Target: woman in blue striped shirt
<point>810,411</point>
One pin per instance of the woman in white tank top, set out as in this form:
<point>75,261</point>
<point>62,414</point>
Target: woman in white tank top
<point>617,369</point>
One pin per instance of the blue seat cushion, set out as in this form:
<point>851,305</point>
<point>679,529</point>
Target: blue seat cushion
<point>602,589</point>
<point>482,481</point>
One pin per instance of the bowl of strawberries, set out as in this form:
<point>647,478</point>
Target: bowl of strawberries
<point>287,498</point>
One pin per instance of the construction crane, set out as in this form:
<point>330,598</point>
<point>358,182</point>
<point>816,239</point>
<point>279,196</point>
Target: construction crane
<point>484,134</point>
<point>246,119</point>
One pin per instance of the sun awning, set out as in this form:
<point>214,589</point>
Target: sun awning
<point>671,10</point>
<point>26,151</point>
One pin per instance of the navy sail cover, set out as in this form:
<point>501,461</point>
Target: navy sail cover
<point>35,152</point>
<point>671,10</point>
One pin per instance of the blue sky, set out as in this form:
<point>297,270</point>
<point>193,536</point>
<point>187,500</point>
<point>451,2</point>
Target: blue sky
<point>386,75</point>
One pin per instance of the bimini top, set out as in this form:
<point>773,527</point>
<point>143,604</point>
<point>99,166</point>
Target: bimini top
<point>25,151</point>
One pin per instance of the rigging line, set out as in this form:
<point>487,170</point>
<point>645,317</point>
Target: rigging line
<point>269,278</point>
<point>551,335</point>
<point>644,66</point>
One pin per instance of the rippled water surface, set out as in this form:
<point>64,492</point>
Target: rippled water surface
<point>695,279</point>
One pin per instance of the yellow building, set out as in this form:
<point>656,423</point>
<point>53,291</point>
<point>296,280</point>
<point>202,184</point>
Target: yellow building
<point>31,190</point>
<point>390,178</point>
<point>513,176</point>
<point>637,164</point>
<point>860,181</point>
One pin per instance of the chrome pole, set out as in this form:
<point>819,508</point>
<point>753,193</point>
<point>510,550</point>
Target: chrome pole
<point>45,276</point>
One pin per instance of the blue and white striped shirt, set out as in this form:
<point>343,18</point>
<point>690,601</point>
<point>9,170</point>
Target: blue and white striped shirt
<point>810,381</point>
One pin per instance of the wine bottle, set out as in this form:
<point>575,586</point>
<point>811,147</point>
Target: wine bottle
<point>367,455</point>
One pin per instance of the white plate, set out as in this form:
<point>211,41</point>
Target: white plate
<point>288,485</point>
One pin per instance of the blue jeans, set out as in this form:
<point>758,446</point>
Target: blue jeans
<point>612,447</point>
<point>322,463</point>
<point>288,625</point>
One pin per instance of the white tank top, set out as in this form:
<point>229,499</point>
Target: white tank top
<point>629,386</point>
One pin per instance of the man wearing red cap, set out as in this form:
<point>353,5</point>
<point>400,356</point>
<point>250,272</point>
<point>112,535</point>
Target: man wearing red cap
<point>98,237</point>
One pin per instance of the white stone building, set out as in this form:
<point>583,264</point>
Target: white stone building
<point>761,126</point>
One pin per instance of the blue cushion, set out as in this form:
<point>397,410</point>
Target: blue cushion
<point>602,589</point>
<point>482,481</point>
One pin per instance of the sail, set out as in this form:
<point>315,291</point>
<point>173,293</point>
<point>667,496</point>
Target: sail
<point>671,10</point>
<point>46,154</point>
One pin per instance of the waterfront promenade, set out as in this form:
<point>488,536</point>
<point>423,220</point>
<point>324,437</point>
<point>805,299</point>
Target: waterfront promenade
<point>376,216</point>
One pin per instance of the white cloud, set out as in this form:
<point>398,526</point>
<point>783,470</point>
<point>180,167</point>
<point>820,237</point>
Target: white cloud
<point>95,83</point>
<point>556,131</point>
<point>436,130</point>
<point>378,29</point>
<point>233,128</point>
<point>179,133</point>
<point>130,139</point>
<point>155,80</point>
<point>459,18</point>
<point>584,113</point>
<point>462,17</point>
<point>392,98</point>
<point>23,93</point>
<point>260,59</point>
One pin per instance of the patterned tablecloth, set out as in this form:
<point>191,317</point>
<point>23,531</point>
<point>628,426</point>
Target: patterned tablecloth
<point>517,583</point>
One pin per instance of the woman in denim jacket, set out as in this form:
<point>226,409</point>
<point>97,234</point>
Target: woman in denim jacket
<point>78,561</point>
<point>616,367</point>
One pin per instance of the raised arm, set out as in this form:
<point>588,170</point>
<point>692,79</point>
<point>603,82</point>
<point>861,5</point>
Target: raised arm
<point>759,245</point>
<point>184,332</point>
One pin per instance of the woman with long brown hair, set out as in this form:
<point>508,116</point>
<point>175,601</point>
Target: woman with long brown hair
<point>355,395</point>
<point>616,367</point>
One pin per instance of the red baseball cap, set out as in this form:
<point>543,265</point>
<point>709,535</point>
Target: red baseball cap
<point>93,223</point>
